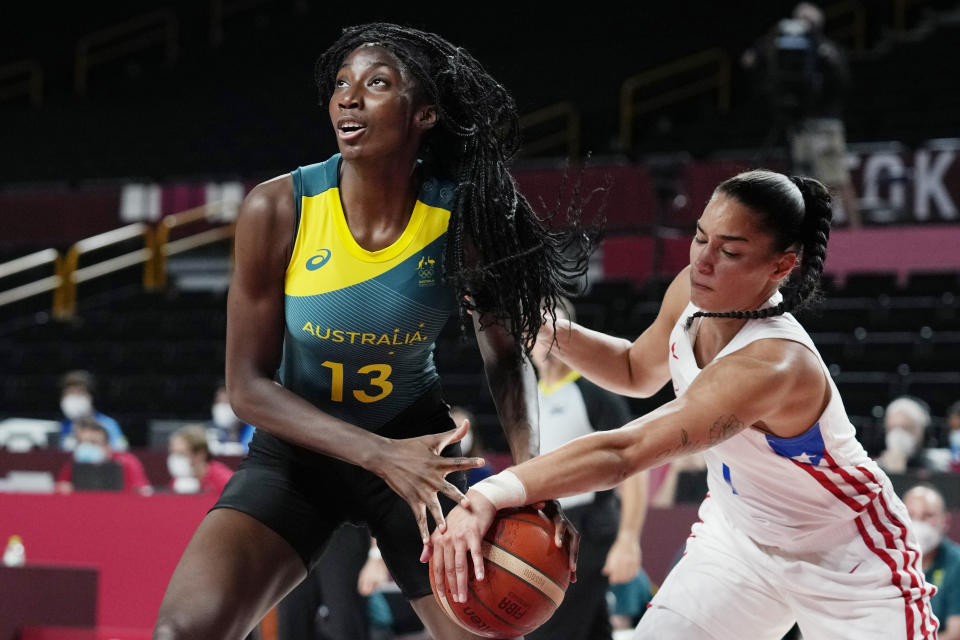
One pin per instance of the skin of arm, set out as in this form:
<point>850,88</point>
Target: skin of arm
<point>255,332</point>
<point>952,626</point>
<point>624,559</point>
<point>773,378</point>
<point>638,369</point>
<point>513,386</point>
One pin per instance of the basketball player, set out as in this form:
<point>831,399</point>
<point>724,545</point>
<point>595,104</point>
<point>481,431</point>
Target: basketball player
<point>799,523</point>
<point>346,272</point>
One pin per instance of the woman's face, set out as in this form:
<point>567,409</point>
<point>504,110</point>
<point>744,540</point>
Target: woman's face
<point>733,263</point>
<point>373,107</point>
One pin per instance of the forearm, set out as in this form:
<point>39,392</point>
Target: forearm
<point>603,359</point>
<point>633,505</point>
<point>513,386</point>
<point>605,459</point>
<point>277,410</point>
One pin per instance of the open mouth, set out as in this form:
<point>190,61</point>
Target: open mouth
<point>350,129</point>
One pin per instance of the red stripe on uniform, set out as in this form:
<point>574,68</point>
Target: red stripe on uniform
<point>862,489</point>
<point>897,581</point>
<point>830,486</point>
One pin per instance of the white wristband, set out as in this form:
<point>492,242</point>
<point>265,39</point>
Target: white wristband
<point>503,490</point>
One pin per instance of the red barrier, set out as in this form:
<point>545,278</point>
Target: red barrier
<point>134,541</point>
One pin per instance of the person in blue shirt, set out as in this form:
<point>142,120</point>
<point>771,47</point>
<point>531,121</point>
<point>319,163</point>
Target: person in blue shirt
<point>228,431</point>
<point>76,402</point>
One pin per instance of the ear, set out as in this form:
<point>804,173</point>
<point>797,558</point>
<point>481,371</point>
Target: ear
<point>426,117</point>
<point>784,265</point>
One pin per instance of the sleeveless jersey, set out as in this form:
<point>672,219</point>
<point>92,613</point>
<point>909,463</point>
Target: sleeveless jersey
<point>361,325</point>
<point>792,493</point>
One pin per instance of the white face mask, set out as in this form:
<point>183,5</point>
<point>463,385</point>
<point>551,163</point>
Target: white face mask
<point>901,440</point>
<point>76,405</point>
<point>179,466</point>
<point>928,536</point>
<point>186,485</point>
<point>223,415</point>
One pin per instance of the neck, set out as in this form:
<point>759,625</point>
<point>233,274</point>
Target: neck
<point>200,469</point>
<point>370,194</point>
<point>929,557</point>
<point>552,371</point>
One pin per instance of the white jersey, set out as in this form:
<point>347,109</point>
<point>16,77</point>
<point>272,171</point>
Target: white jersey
<point>791,493</point>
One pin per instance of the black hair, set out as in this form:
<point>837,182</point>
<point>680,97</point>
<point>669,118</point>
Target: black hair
<point>501,259</point>
<point>797,212</point>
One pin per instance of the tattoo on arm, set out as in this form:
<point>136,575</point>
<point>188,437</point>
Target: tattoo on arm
<point>724,427</point>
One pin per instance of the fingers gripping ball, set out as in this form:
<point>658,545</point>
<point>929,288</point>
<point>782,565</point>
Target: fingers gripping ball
<point>525,577</point>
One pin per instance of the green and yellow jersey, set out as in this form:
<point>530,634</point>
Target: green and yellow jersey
<point>361,325</point>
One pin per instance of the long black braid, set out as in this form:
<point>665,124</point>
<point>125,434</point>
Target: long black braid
<point>797,212</point>
<point>501,259</point>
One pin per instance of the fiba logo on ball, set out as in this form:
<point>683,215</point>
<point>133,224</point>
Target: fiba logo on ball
<point>526,578</point>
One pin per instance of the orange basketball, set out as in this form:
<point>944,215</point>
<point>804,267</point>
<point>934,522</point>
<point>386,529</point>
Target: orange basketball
<point>525,577</point>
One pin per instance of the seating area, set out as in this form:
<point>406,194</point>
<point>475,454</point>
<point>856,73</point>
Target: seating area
<point>160,355</point>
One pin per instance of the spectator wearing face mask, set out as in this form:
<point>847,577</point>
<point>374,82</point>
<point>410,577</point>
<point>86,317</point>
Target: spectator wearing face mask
<point>905,423</point>
<point>228,435</point>
<point>191,468</point>
<point>76,402</point>
<point>941,556</point>
<point>93,446</point>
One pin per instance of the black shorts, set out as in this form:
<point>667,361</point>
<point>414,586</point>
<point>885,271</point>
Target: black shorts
<point>304,496</point>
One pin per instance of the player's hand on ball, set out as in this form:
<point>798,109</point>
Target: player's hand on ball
<point>415,470</point>
<point>562,526</point>
<point>461,539</point>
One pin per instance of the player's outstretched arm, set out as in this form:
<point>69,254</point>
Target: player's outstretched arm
<point>729,395</point>
<point>255,329</point>
<point>636,369</point>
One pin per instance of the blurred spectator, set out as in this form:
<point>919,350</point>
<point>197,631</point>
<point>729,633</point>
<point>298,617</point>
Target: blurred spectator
<point>471,444</point>
<point>93,447</point>
<point>953,424</point>
<point>627,603</point>
<point>941,556</point>
<point>905,424</point>
<point>228,435</point>
<point>804,76</point>
<point>76,401</point>
<point>191,468</point>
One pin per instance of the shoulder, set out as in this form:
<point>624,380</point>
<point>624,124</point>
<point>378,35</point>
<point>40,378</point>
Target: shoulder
<point>127,459</point>
<point>780,358</point>
<point>676,299</point>
<point>269,201</point>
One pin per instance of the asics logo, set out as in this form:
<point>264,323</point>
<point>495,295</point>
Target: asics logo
<point>318,260</point>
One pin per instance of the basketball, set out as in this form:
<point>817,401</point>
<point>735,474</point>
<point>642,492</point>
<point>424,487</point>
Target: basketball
<point>525,577</point>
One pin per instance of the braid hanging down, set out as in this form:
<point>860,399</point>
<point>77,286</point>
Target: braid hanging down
<point>502,258</point>
<point>797,211</point>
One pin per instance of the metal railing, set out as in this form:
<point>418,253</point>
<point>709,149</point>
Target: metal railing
<point>158,27</point>
<point>568,137</point>
<point>164,247</point>
<point>25,263</point>
<point>715,62</point>
<point>65,300</point>
<point>23,77</point>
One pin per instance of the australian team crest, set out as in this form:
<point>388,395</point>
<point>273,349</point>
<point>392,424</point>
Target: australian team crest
<point>425,269</point>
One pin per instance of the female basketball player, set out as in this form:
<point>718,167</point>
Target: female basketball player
<point>799,523</point>
<point>346,272</point>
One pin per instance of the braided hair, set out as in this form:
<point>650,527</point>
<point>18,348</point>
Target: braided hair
<point>501,259</point>
<point>796,212</point>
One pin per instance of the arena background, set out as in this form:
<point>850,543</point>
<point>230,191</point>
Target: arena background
<point>116,118</point>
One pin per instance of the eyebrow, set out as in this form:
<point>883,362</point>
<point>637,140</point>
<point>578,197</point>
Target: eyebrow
<point>724,237</point>
<point>375,63</point>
